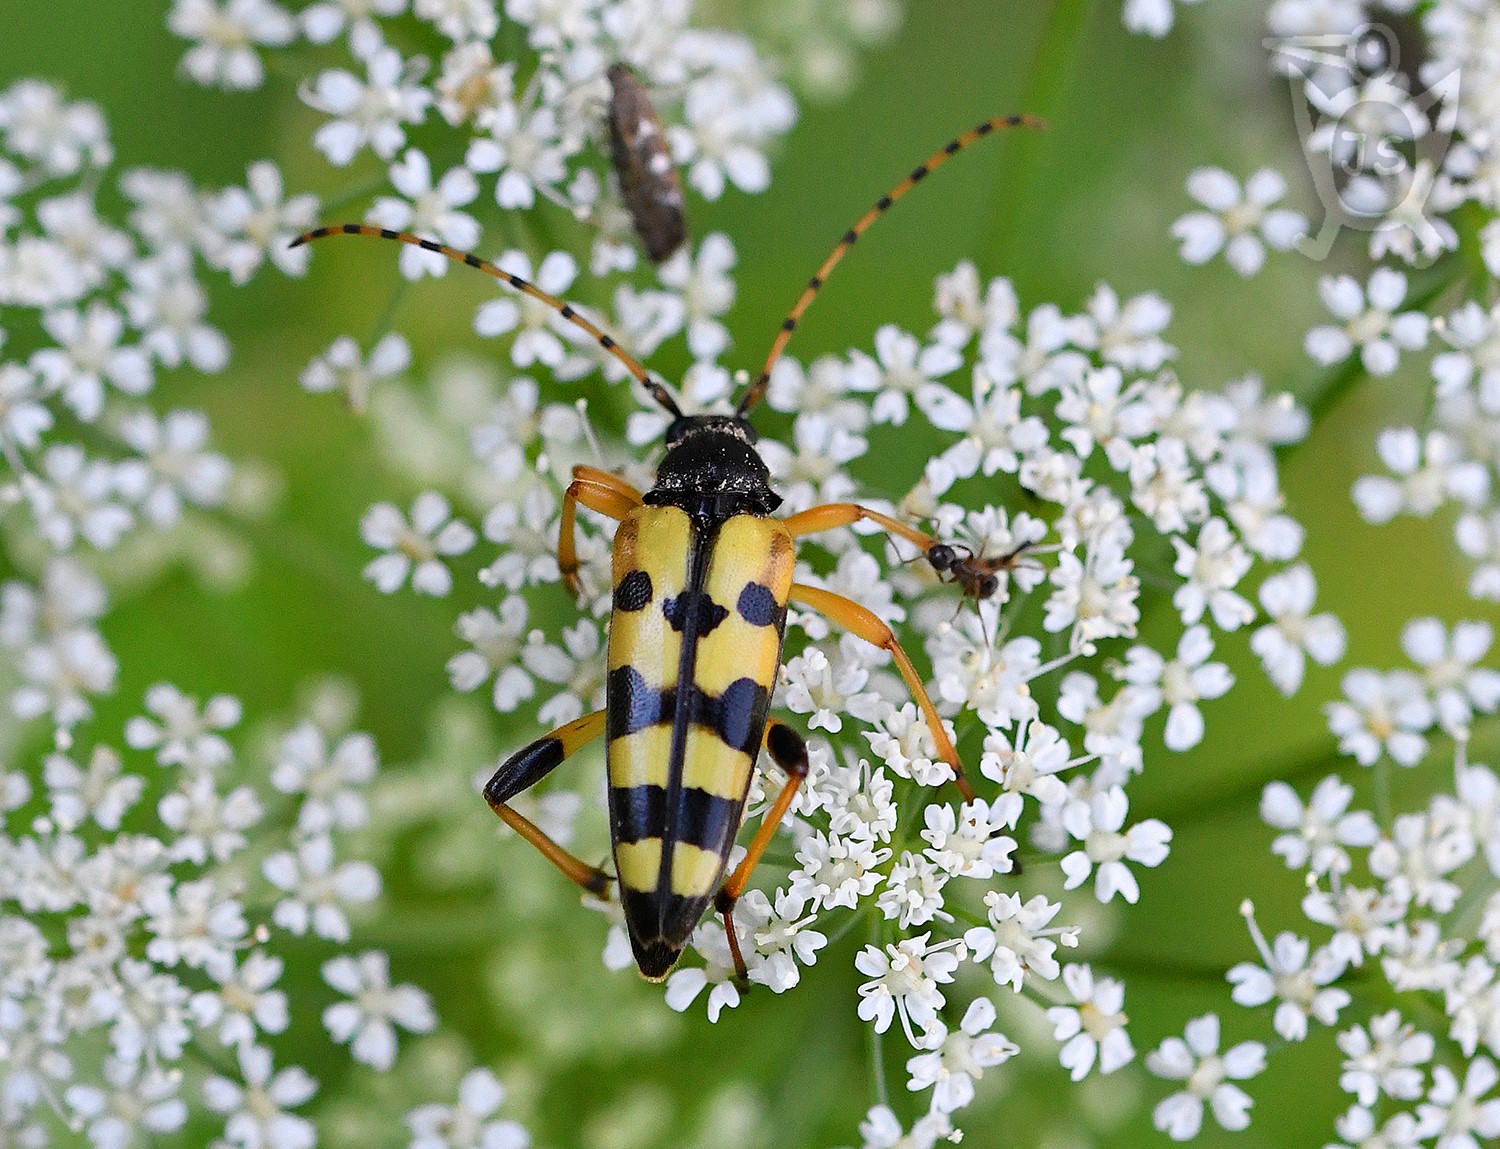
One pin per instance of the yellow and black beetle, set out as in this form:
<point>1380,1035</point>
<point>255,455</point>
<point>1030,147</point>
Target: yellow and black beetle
<point>702,578</point>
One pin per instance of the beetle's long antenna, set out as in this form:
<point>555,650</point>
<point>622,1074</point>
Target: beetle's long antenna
<point>563,308</point>
<point>758,389</point>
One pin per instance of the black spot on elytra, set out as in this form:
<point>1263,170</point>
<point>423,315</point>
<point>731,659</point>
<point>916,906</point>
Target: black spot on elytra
<point>680,608</point>
<point>758,606</point>
<point>633,591</point>
<point>738,713</point>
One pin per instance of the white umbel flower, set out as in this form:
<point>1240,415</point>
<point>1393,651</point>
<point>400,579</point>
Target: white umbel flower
<point>256,1110</point>
<point>417,548</point>
<point>1370,322</point>
<point>367,1024</point>
<point>1093,1029</point>
<point>1195,1060</point>
<point>1239,222</point>
<point>960,1058</point>
<point>224,55</point>
<point>1294,632</point>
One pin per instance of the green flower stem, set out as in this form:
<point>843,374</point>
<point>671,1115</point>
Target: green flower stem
<point>854,919</point>
<point>1298,767</point>
<point>211,1061</point>
<point>1051,72</point>
<point>360,191</point>
<point>877,1043</point>
<point>1478,885</point>
<point>388,316</point>
<point>1155,967</point>
<point>1382,771</point>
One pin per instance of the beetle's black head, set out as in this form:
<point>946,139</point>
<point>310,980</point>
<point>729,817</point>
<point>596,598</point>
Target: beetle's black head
<point>685,425</point>
<point>712,469</point>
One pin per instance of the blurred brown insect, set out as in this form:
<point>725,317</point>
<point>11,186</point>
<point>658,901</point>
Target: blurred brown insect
<point>978,577</point>
<point>649,183</point>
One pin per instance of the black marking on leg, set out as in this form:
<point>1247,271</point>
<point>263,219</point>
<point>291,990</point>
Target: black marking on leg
<point>788,750</point>
<point>953,146</point>
<point>352,229</point>
<point>634,591</point>
<point>758,606</point>
<point>884,203</point>
<point>850,236</point>
<point>598,884</point>
<point>919,173</point>
<point>789,324</point>
<point>473,260</point>
<point>524,769</point>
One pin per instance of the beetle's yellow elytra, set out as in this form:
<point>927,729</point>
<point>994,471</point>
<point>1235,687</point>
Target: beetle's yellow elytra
<point>641,758</point>
<point>717,769</point>
<point>639,863</point>
<point>695,871</point>
<point>650,566</point>
<point>750,575</point>
<point>695,639</point>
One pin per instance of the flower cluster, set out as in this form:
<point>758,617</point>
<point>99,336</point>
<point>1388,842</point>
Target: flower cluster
<point>147,874</point>
<point>1053,697</point>
<point>139,983</point>
<point>1116,526</point>
<point>1403,899</point>
<point>100,311</point>
<point>1128,476</point>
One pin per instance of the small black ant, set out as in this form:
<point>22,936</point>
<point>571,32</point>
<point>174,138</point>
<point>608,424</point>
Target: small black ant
<point>978,577</point>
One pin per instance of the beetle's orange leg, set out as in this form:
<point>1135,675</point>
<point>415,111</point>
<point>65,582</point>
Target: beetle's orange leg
<point>789,751</point>
<point>599,491</point>
<point>863,623</point>
<point>529,766</point>
<point>832,515</point>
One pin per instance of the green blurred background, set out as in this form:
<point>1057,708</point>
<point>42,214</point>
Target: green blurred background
<point>596,1059</point>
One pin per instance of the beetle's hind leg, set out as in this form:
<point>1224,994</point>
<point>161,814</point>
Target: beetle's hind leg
<point>865,624</point>
<point>599,491</point>
<point>788,750</point>
<point>526,768</point>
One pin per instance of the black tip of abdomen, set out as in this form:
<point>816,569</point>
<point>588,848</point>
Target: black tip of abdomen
<point>656,959</point>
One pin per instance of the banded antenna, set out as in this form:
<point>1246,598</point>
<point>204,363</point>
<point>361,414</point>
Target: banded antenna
<point>938,158</point>
<point>562,307</point>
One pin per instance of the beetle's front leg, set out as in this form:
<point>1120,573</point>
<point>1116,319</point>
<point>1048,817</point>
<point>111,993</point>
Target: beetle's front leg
<point>599,491</point>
